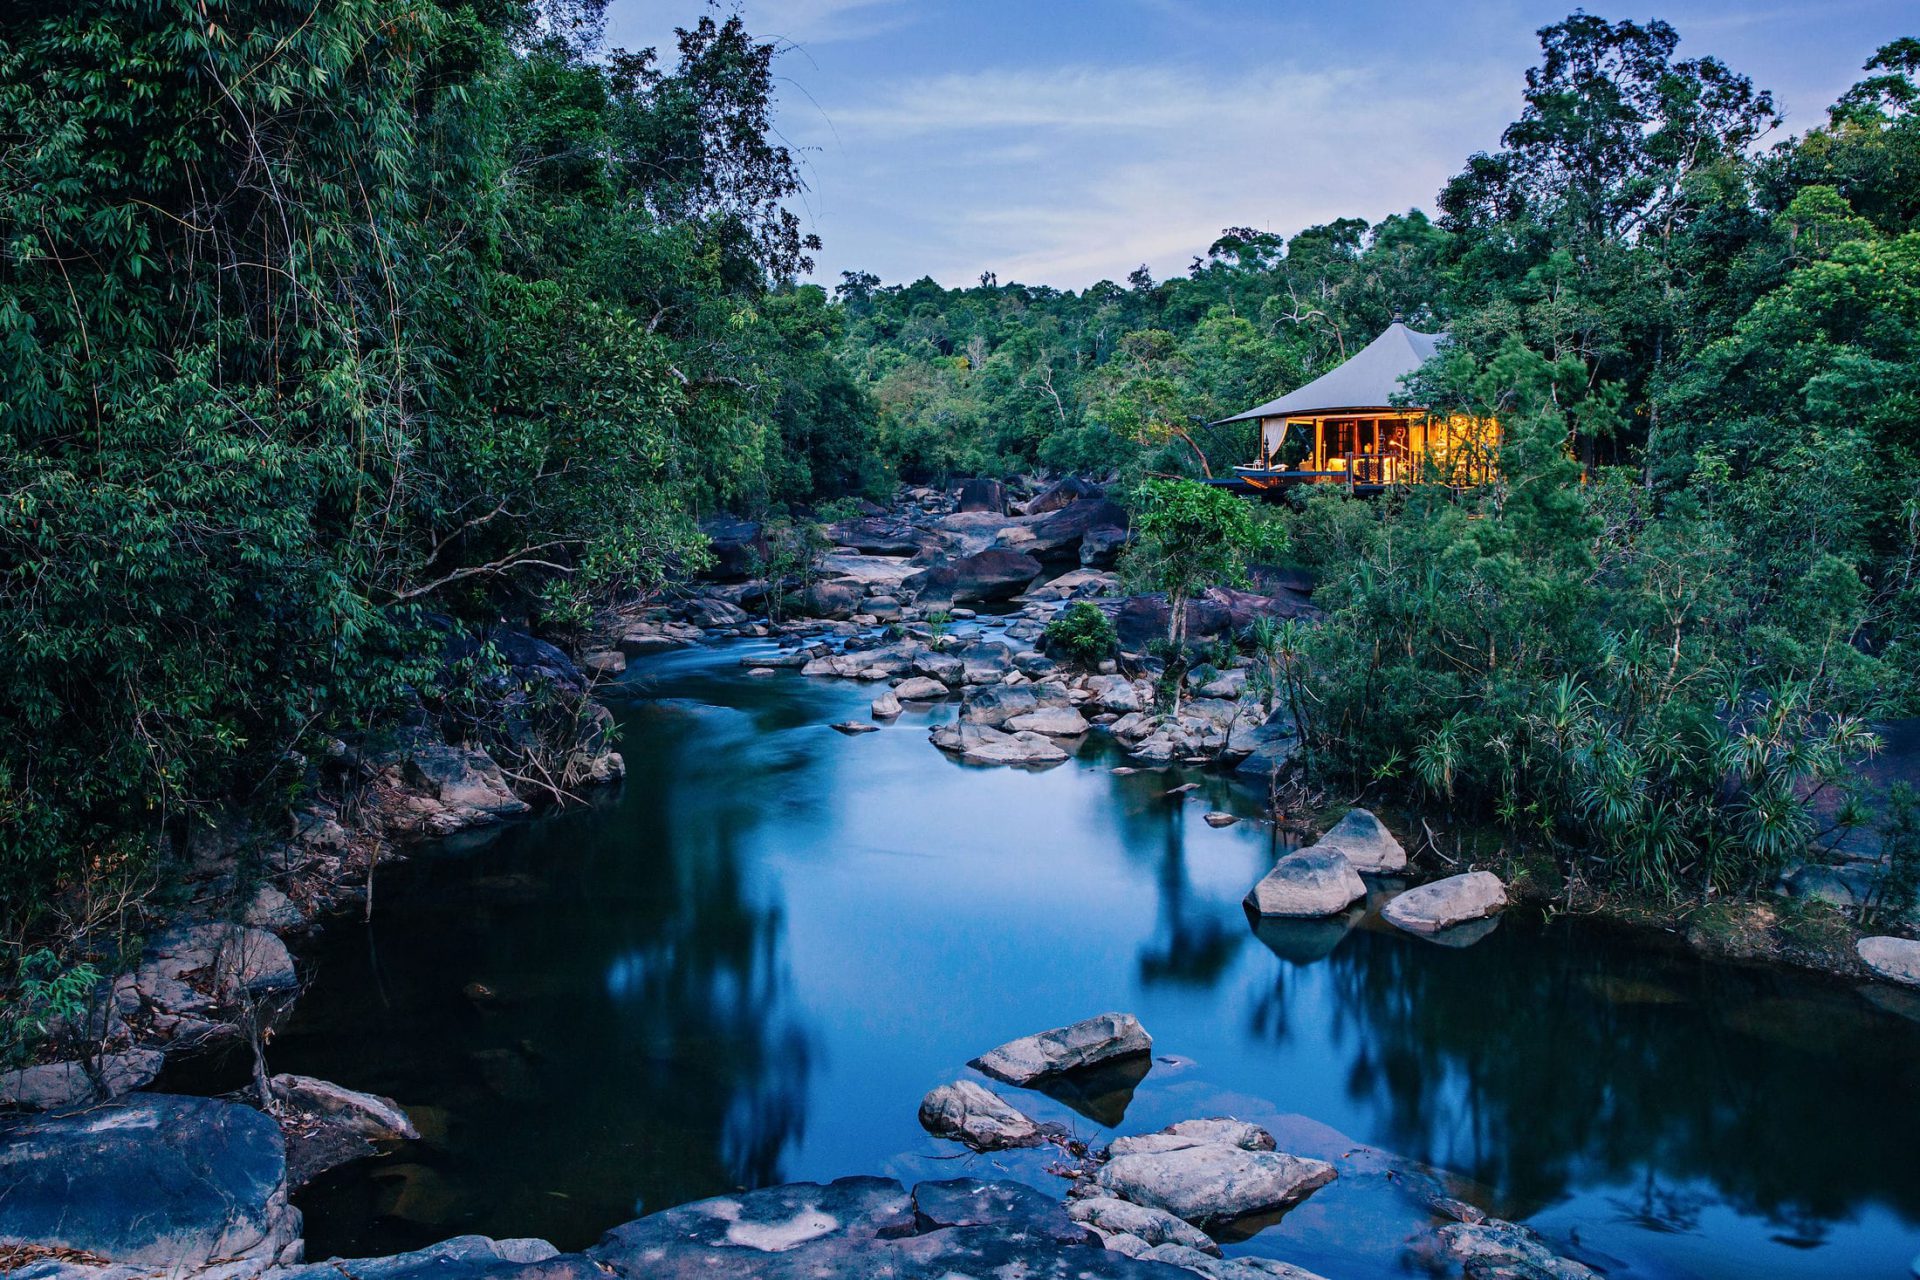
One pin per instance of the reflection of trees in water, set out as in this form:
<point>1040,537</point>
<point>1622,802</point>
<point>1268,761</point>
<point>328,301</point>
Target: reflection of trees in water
<point>1195,939</point>
<point>1544,1060</point>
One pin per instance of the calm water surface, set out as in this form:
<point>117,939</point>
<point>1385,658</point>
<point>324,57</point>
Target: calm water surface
<point>748,964</point>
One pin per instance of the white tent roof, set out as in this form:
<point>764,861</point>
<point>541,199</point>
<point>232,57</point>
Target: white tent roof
<point>1370,380</point>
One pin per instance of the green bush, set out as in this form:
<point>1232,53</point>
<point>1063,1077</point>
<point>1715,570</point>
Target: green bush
<point>1083,635</point>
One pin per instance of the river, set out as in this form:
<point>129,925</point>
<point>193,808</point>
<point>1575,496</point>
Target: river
<point>747,964</point>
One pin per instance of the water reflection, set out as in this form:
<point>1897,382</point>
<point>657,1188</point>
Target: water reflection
<point>749,965</point>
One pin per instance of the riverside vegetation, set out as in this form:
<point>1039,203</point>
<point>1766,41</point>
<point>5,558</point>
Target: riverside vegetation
<point>329,334</point>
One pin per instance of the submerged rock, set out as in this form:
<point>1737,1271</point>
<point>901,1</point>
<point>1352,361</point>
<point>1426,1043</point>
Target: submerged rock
<point>1069,1048</point>
<point>973,1114</point>
<point>1506,1251</point>
<point>1365,842</point>
<point>181,1185</point>
<point>1308,884</point>
<point>1443,904</point>
<point>1896,959</point>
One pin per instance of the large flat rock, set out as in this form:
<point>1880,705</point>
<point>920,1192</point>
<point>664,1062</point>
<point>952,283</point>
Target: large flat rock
<point>1213,1182</point>
<point>461,1258</point>
<point>1445,904</point>
<point>159,1181</point>
<point>1896,959</point>
<point>1069,1048</point>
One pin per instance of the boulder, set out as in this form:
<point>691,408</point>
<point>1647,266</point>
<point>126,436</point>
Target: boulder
<point>1365,842</point>
<point>1114,693</point>
<point>944,667</point>
<point>886,706</point>
<point>1212,1268</point>
<point>920,689</point>
<point>713,613</point>
<point>1212,1131</point>
<point>1058,535</point>
<point>738,546</point>
<point>1506,1251</point>
<point>981,744</point>
<point>1101,548</point>
<point>1111,1216</point>
<point>1062,493</point>
<point>994,574</point>
<point>1896,959</point>
<point>1069,1048</point>
<point>1443,904</point>
<point>1055,722</point>
<point>178,1185</point>
<point>367,1114</point>
<point>1310,883</point>
<point>1213,1182</point>
<point>981,495</point>
<point>468,786</point>
<point>827,600</point>
<point>973,1114</point>
<point>51,1086</point>
<point>995,705</point>
<point>879,537</point>
<point>604,662</point>
<point>985,662</point>
<point>1009,1207</point>
<point>227,960</point>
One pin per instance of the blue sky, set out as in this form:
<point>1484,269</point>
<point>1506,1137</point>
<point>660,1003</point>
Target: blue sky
<point>1063,141</point>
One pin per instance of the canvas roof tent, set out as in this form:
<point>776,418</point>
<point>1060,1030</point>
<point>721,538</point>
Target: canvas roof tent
<point>1368,381</point>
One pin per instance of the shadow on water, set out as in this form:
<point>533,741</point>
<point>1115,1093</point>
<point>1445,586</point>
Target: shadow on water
<point>748,964</point>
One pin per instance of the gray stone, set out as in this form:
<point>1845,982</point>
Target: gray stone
<point>944,667</point>
<point>971,1113</point>
<point>1055,722</point>
<point>604,662</point>
<point>1307,884</point>
<point>886,706</point>
<point>1069,1048</point>
<point>1213,1131</point>
<point>1113,1216</point>
<point>1443,904</point>
<point>981,744</point>
<point>1496,1250</point>
<point>185,1185</point>
<point>1366,842</point>
<point>1213,1182</point>
<point>1114,693</point>
<point>995,704</point>
<point>920,689</point>
<point>1226,1268</point>
<point>367,1114</point>
<point>53,1085</point>
<point>1896,959</point>
<point>985,662</point>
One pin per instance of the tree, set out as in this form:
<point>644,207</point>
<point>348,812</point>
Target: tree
<point>1189,536</point>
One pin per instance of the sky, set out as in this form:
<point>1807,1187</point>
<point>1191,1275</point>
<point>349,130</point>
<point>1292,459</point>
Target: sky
<point>1062,142</point>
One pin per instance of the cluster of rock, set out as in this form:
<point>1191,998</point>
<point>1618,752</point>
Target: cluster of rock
<point>1325,880</point>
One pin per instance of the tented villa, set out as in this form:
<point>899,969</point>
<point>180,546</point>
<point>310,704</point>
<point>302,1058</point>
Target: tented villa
<point>1343,427</point>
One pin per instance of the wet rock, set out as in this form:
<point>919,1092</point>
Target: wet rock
<point>746,1235</point>
<point>1896,959</point>
<point>1443,904</point>
<point>183,1185</point>
<point>1310,883</point>
<point>1055,722</point>
<point>886,706</point>
<point>461,1258</point>
<point>1226,1268</point>
<point>1213,1182</point>
<point>1496,1250</point>
<point>1008,1207</point>
<point>51,1086</point>
<point>981,744</point>
<point>1365,842</point>
<point>367,1114</point>
<point>1069,1048</point>
<point>986,662</point>
<point>920,689</point>
<point>971,1113</point>
<point>1112,1216</point>
<point>853,728</point>
<point>1219,819</point>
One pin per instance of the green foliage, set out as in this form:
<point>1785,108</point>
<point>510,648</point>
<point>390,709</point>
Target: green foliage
<point>1082,635</point>
<point>42,992</point>
<point>1189,536</point>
